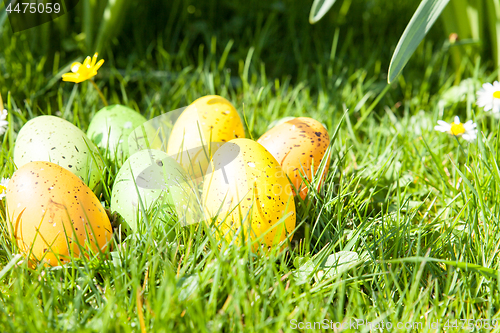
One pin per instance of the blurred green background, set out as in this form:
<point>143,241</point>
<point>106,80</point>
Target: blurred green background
<point>156,40</point>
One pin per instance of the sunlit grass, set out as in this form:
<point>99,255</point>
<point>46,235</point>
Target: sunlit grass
<point>397,192</point>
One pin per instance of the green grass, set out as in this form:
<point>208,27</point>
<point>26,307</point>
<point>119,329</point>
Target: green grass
<point>419,207</point>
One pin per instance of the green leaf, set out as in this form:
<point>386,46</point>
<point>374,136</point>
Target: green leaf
<point>3,16</point>
<point>318,9</point>
<point>485,271</point>
<point>335,264</point>
<point>493,12</point>
<point>15,259</point>
<point>421,22</point>
<point>338,263</point>
<point>112,22</point>
<point>188,286</point>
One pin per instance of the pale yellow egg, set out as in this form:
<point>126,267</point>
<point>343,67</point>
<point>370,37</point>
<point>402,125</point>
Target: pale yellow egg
<point>204,126</point>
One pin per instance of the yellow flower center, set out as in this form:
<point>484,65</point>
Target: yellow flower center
<point>3,189</point>
<point>496,94</point>
<point>85,71</point>
<point>457,129</point>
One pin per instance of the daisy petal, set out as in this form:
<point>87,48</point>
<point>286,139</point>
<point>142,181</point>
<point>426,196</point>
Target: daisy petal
<point>469,137</point>
<point>487,85</point>
<point>3,114</point>
<point>441,128</point>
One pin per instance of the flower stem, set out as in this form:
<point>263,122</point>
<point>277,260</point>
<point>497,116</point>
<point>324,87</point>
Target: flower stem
<point>99,92</point>
<point>67,110</point>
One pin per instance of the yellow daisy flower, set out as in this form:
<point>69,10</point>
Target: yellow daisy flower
<point>467,130</point>
<point>3,187</point>
<point>85,71</point>
<point>489,97</point>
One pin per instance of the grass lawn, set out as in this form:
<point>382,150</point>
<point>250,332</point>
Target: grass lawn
<point>414,212</point>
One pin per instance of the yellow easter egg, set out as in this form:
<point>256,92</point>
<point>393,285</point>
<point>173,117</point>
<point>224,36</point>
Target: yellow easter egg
<point>247,195</point>
<point>204,126</point>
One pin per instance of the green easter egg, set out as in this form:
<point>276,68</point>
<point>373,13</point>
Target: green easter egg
<point>53,139</point>
<point>154,180</point>
<point>111,127</point>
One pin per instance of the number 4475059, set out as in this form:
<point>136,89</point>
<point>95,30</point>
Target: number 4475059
<point>33,8</point>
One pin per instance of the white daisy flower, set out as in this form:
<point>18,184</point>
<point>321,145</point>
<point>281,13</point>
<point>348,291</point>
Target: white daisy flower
<point>489,97</point>
<point>3,187</point>
<point>467,131</point>
<point>3,122</point>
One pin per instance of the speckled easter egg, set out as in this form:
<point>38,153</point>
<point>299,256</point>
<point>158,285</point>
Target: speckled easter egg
<point>53,139</point>
<point>245,188</point>
<point>152,178</point>
<point>279,121</point>
<point>53,214</point>
<point>200,130</point>
<point>110,129</point>
<point>299,145</point>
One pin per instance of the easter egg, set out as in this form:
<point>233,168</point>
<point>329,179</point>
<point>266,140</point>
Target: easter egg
<point>200,130</point>
<point>53,139</point>
<point>53,215</point>
<point>247,194</point>
<point>150,135</point>
<point>278,122</point>
<point>147,179</point>
<point>110,129</point>
<point>299,145</point>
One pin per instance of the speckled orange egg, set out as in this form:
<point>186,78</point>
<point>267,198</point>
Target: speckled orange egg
<point>204,126</point>
<point>51,212</point>
<point>248,195</point>
<point>298,145</point>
